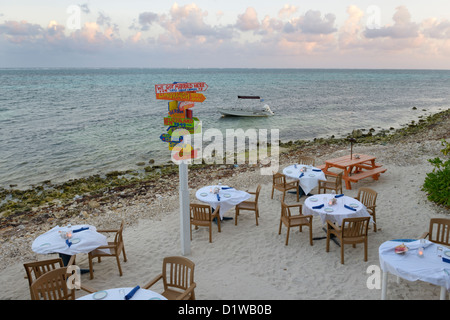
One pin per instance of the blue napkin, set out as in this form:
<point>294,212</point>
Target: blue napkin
<point>445,260</point>
<point>68,242</point>
<point>132,292</point>
<point>302,175</point>
<point>226,188</point>
<point>349,207</point>
<point>81,229</point>
<point>339,195</point>
<point>317,170</point>
<point>218,197</point>
<point>319,206</point>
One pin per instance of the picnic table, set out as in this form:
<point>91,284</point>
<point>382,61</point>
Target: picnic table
<point>355,168</point>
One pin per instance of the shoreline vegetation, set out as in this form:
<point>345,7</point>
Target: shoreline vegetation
<point>57,202</point>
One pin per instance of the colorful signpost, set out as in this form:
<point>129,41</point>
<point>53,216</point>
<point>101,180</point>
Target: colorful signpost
<point>182,97</point>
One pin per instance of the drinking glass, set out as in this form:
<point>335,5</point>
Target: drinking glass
<point>439,251</point>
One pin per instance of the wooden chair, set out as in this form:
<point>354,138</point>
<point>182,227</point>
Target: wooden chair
<point>36,269</point>
<point>178,279</point>
<point>352,231</point>
<point>334,182</point>
<point>298,220</point>
<point>309,161</point>
<point>52,285</point>
<point>279,183</point>
<point>439,231</point>
<point>115,248</point>
<point>202,216</point>
<point>368,198</point>
<point>249,205</point>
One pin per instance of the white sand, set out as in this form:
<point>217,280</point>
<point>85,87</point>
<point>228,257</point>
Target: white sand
<point>252,262</point>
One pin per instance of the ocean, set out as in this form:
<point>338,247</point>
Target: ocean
<point>60,124</point>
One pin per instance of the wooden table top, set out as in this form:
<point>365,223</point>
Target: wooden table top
<point>345,161</point>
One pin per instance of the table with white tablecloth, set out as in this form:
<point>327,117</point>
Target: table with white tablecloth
<point>227,197</point>
<point>308,176</point>
<point>345,207</point>
<point>411,266</point>
<point>120,293</point>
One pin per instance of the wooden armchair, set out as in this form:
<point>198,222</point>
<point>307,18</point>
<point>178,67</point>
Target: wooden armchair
<point>36,269</point>
<point>352,231</point>
<point>178,279</point>
<point>249,205</point>
<point>297,220</point>
<point>202,216</point>
<point>368,198</point>
<point>115,248</point>
<point>52,285</point>
<point>439,231</point>
<point>334,182</point>
<point>279,183</point>
<point>309,161</point>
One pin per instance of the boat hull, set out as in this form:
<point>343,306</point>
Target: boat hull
<point>237,113</point>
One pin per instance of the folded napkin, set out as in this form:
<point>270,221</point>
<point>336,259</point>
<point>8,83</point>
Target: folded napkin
<point>81,229</point>
<point>218,197</point>
<point>317,170</point>
<point>226,188</point>
<point>318,207</point>
<point>68,242</point>
<point>132,292</point>
<point>302,175</point>
<point>350,208</point>
<point>339,195</point>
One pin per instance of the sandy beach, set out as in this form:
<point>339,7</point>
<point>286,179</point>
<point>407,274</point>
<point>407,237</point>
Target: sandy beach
<point>252,262</point>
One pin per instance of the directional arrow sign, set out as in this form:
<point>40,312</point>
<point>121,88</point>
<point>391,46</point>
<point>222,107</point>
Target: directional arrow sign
<point>181,96</point>
<point>181,87</point>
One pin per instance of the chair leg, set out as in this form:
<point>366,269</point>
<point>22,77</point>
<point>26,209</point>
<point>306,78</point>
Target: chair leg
<point>91,268</point>
<point>279,229</point>
<point>236,216</point>
<point>118,264</point>
<point>365,249</point>
<point>310,235</point>
<point>273,188</point>
<point>256,215</point>
<point>287,235</point>
<point>375,222</point>
<point>342,252</point>
<point>124,255</point>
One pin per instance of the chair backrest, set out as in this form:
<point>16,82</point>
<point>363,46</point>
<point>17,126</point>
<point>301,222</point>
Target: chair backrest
<point>118,239</point>
<point>367,196</point>
<point>178,272</point>
<point>37,268</point>
<point>200,212</point>
<point>258,190</point>
<point>279,179</point>
<point>286,210</point>
<point>52,286</point>
<point>307,161</point>
<point>355,227</point>
<point>439,231</point>
<point>339,178</point>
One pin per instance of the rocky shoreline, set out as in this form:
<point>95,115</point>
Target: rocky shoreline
<point>158,193</point>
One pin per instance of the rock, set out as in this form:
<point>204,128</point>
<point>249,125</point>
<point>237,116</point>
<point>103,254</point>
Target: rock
<point>94,204</point>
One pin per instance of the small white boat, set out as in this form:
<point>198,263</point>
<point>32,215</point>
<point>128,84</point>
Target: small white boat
<point>248,106</point>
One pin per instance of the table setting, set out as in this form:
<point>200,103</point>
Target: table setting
<point>307,175</point>
<point>126,293</point>
<point>416,260</point>
<point>225,196</point>
<point>334,207</point>
<point>69,240</point>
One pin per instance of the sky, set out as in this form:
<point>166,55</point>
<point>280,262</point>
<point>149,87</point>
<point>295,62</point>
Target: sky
<point>408,34</point>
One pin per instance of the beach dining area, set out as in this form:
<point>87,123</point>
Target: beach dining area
<point>255,237</point>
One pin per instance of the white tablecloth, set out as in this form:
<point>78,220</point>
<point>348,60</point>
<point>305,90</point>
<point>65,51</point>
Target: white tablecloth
<point>409,266</point>
<point>119,294</point>
<point>81,242</point>
<point>228,197</point>
<point>335,213</point>
<point>310,178</point>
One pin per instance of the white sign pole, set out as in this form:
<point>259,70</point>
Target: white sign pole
<point>185,215</point>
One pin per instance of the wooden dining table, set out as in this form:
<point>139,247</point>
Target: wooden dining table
<point>355,167</point>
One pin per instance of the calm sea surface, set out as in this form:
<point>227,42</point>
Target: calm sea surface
<point>58,124</point>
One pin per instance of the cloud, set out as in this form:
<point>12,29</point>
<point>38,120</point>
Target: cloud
<point>84,8</point>
<point>287,11</point>
<point>146,19</point>
<point>403,27</point>
<point>248,20</point>
<point>313,23</point>
<point>432,28</point>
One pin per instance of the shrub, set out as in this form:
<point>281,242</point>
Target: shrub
<point>437,182</point>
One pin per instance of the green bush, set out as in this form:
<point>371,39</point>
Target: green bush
<point>437,182</point>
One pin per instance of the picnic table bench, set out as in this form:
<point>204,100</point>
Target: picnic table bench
<point>355,169</point>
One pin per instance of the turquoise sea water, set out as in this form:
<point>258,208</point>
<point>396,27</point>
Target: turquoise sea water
<point>58,124</point>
